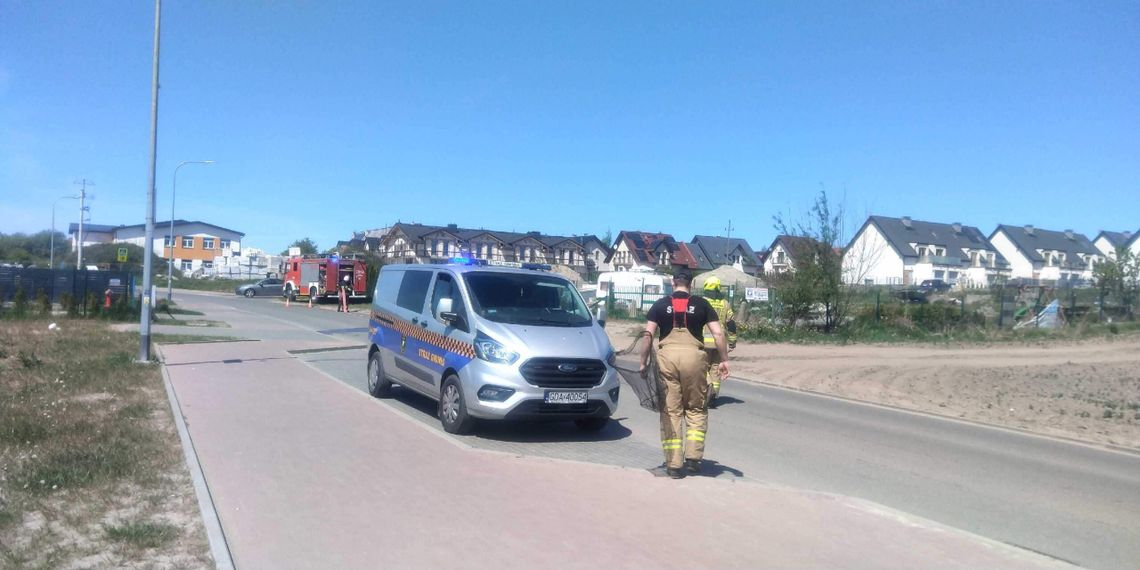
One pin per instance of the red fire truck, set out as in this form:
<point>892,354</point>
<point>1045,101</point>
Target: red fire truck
<point>317,276</point>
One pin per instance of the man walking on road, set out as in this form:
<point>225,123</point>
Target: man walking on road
<point>683,364</point>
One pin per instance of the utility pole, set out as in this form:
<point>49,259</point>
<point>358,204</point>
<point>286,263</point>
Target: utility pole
<point>728,238</point>
<point>144,319</point>
<point>82,209</point>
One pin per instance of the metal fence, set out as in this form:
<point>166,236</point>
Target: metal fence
<point>57,282</point>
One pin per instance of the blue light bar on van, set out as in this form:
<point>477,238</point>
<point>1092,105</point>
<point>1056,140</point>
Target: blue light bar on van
<point>467,261</point>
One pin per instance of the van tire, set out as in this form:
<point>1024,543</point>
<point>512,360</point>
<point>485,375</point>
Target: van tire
<point>291,294</point>
<point>453,408</point>
<point>592,424</point>
<point>378,384</point>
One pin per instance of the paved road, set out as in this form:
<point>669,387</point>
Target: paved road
<point>1073,502</point>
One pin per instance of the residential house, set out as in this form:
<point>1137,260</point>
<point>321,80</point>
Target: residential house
<point>196,244</point>
<point>712,252</point>
<point>1108,242</point>
<point>902,251</point>
<point>419,243</point>
<point>781,254</point>
<point>1133,244</point>
<point>1047,255</point>
<point>655,251</point>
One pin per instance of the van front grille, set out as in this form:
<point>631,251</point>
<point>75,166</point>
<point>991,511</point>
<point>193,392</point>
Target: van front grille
<point>563,372</point>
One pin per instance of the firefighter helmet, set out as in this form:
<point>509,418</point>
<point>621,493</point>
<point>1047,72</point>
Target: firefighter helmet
<point>712,284</point>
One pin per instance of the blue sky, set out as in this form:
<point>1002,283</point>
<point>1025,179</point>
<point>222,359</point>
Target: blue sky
<point>574,117</point>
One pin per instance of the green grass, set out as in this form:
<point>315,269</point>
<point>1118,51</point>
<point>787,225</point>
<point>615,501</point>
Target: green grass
<point>142,534</point>
<point>81,440</point>
<point>163,338</point>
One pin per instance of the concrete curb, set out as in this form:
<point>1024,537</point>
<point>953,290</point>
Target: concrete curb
<point>1022,431</point>
<point>219,548</point>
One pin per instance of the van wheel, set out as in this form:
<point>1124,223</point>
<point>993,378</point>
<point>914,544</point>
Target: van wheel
<point>592,424</point>
<point>453,409</point>
<point>378,384</point>
<point>291,294</point>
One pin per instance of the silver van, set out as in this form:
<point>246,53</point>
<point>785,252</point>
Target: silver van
<point>494,342</point>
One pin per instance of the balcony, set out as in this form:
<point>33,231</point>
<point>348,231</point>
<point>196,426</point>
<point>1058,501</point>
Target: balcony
<point>948,260</point>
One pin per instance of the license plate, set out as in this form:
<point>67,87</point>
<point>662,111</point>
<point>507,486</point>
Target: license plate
<point>567,397</point>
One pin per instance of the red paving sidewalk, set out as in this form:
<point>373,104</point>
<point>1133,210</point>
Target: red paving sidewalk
<point>307,472</point>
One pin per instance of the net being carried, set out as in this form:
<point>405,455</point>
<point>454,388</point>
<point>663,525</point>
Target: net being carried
<point>646,386</point>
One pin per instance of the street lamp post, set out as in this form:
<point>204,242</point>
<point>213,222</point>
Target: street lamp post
<point>170,261</point>
<point>51,255</point>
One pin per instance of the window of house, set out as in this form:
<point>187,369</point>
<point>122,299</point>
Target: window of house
<point>225,244</point>
<point>953,275</point>
<point>939,274</point>
<point>186,265</point>
<point>208,264</point>
<point>187,243</point>
<point>165,241</point>
<point>207,243</point>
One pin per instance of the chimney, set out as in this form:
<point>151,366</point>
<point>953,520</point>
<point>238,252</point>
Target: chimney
<point>1069,235</point>
<point>1029,229</point>
<point>906,222</point>
<point>957,227</point>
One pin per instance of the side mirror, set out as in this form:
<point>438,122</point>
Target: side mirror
<point>601,315</point>
<point>443,311</point>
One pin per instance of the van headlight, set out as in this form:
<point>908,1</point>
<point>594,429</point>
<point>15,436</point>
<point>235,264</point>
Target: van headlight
<point>491,350</point>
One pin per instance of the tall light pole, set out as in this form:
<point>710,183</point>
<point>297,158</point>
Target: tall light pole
<point>51,256</point>
<point>144,313</point>
<point>170,262</point>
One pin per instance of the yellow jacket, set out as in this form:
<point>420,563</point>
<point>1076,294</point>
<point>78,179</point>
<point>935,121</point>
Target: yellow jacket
<point>724,314</point>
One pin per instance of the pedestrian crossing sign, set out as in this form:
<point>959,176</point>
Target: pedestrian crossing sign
<point>122,256</point>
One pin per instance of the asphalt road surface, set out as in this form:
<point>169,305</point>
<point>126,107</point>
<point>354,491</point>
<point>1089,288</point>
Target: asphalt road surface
<point>1073,502</point>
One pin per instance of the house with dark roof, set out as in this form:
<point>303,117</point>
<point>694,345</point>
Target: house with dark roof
<point>1108,242</point>
<point>1133,244</point>
<point>714,251</point>
<point>1048,255</point>
<point>420,243</point>
<point>903,251</point>
<point>782,253</point>
<point>656,251</point>
<point>197,245</point>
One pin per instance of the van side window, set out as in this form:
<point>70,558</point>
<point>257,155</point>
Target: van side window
<point>446,288</point>
<point>413,290</point>
<point>388,285</point>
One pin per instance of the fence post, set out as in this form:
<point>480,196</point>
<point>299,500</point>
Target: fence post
<point>1100,305</point>
<point>878,305</point>
<point>1001,305</point>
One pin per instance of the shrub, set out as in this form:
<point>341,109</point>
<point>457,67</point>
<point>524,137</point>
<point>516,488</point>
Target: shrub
<point>20,303</point>
<point>43,303</point>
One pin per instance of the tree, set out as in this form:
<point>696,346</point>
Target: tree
<point>608,238</point>
<point>32,248</point>
<point>817,275</point>
<point>308,247</point>
<point>1120,277</point>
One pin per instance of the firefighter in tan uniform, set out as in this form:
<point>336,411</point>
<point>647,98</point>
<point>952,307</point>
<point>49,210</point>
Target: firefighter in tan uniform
<point>680,320</point>
<point>715,296</point>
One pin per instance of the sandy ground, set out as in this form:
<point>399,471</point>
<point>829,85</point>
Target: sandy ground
<point>1086,390</point>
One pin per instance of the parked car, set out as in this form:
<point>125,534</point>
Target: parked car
<point>265,288</point>
<point>934,286</point>
<point>491,342</point>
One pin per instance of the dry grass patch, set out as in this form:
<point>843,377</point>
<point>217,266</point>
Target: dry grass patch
<point>91,471</point>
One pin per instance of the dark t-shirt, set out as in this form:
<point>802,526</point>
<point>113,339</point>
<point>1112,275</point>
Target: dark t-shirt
<point>700,312</point>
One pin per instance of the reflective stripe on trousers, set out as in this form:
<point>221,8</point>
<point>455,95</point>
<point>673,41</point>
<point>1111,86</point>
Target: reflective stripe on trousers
<point>682,363</point>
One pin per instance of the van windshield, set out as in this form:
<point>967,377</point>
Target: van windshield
<point>522,299</point>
